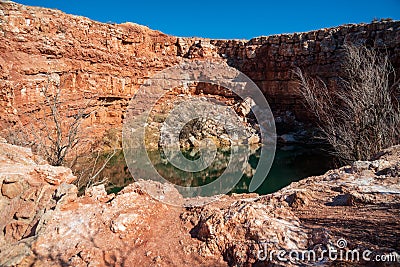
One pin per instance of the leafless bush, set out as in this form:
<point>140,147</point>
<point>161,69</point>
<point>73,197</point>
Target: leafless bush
<point>54,131</point>
<point>361,116</point>
<point>88,169</point>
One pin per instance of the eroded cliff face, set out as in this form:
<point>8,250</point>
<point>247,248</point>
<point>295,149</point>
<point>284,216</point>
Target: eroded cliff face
<point>109,62</point>
<point>91,60</point>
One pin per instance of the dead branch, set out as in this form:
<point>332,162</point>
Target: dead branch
<point>362,116</point>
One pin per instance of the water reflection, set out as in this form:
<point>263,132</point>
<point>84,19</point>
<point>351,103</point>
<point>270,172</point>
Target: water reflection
<point>290,164</point>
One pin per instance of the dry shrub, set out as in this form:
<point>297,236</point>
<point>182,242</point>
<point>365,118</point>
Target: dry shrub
<point>361,116</point>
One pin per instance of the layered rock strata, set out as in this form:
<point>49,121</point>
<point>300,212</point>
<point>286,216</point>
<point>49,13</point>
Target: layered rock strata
<point>109,62</point>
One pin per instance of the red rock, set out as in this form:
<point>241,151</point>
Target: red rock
<point>25,191</point>
<point>27,210</point>
<point>108,63</point>
<point>106,229</point>
<point>11,190</point>
<point>15,230</point>
<point>111,61</point>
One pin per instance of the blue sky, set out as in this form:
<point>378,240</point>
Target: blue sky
<point>228,19</point>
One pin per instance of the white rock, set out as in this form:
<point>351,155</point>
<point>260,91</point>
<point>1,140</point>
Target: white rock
<point>123,221</point>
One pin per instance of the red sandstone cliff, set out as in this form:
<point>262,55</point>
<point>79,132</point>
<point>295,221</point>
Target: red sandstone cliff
<point>110,62</point>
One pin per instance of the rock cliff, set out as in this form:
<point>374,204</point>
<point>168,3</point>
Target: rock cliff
<point>109,62</point>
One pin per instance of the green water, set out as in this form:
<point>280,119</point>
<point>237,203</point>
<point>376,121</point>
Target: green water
<point>291,163</point>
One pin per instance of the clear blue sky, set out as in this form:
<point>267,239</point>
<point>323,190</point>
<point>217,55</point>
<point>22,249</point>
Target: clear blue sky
<point>228,19</point>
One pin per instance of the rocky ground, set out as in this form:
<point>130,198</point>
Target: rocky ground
<point>45,223</point>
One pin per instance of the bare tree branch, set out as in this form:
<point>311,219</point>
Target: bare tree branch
<point>361,116</point>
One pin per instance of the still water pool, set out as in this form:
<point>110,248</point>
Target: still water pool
<point>291,163</point>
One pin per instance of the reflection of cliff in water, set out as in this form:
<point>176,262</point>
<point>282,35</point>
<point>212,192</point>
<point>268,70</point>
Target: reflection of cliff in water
<point>290,164</point>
